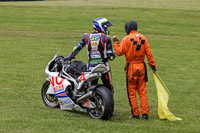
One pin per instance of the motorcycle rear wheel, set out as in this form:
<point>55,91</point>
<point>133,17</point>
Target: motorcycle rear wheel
<point>104,104</point>
<point>49,100</point>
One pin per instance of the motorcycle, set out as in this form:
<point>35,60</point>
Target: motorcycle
<point>70,86</point>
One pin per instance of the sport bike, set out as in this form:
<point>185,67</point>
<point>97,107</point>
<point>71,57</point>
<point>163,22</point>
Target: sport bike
<point>71,87</point>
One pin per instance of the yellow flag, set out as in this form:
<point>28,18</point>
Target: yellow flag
<point>163,96</point>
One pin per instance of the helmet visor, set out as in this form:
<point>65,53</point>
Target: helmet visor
<point>107,24</point>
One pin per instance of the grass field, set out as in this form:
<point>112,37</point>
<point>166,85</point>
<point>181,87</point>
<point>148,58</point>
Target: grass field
<point>32,32</point>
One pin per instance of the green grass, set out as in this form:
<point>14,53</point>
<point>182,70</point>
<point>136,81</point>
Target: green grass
<point>32,32</point>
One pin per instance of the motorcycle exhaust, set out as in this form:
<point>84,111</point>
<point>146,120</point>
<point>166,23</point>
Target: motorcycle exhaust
<point>86,96</point>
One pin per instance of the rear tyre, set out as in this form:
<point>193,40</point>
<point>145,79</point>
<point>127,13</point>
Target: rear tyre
<point>50,99</point>
<point>104,102</point>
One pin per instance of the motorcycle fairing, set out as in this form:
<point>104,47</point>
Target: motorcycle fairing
<point>67,104</point>
<point>57,87</point>
<point>52,85</point>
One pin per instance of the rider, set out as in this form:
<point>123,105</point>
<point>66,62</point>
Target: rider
<point>99,49</point>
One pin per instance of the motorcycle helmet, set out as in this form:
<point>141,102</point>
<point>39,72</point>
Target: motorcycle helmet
<point>130,25</point>
<point>101,24</point>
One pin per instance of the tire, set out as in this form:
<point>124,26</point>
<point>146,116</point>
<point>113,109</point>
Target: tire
<point>104,102</point>
<point>49,100</point>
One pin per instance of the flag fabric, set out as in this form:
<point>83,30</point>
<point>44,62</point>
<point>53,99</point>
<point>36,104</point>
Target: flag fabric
<point>163,96</point>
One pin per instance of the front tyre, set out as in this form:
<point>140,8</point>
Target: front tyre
<point>104,102</point>
<point>50,99</point>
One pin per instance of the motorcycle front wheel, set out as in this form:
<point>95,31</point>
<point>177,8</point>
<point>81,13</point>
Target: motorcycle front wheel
<point>104,102</point>
<point>50,99</point>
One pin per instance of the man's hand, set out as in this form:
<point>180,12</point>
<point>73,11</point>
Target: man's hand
<point>115,38</point>
<point>152,67</point>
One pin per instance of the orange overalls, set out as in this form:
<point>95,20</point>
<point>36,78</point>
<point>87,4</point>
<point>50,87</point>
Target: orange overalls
<point>135,46</point>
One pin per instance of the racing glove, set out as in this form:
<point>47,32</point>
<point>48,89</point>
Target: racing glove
<point>68,58</point>
<point>112,57</point>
